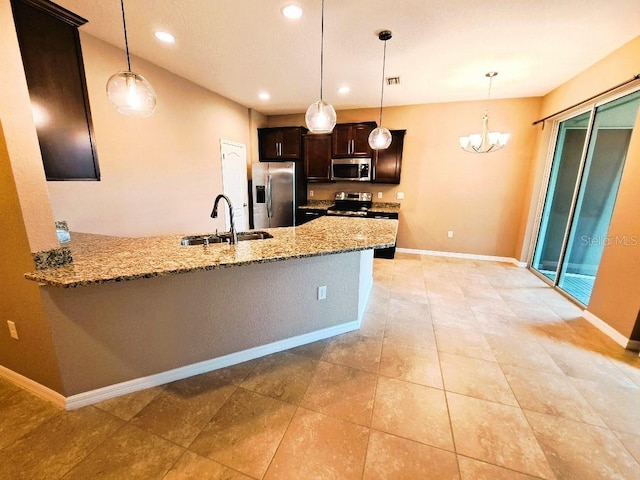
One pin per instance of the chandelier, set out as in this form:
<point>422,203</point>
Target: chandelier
<point>486,141</point>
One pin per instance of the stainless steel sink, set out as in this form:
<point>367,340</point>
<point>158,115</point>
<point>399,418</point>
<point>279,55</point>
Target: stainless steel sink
<point>223,238</point>
<point>200,240</point>
<point>251,236</point>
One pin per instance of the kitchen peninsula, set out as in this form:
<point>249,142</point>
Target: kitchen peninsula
<point>131,313</point>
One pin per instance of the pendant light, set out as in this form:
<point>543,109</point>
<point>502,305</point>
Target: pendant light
<point>130,93</point>
<point>320,116</point>
<point>380,138</point>
<point>486,141</point>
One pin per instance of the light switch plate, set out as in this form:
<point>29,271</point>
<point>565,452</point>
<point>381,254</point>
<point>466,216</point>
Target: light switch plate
<point>12,329</point>
<point>322,292</point>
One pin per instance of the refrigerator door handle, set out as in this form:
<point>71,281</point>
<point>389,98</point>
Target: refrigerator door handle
<point>269,197</point>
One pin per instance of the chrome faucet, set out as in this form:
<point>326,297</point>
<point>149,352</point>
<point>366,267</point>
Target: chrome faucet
<point>214,214</point>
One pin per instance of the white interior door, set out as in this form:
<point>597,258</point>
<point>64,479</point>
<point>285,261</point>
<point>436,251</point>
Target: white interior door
<point>234,181</point>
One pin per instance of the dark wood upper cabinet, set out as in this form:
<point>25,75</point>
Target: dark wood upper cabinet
<point>52,59</point>
<point>387,164</point>
<point>280,143</point>
<point>317,157</point>
<point>352,140</point>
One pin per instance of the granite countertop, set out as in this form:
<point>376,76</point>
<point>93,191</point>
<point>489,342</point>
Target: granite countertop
<point>317,205</point>
<point>377,207</point>
<point>385,207</point>
<point>101,259</point>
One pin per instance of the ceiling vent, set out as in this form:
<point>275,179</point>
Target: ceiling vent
<point>393,80</point>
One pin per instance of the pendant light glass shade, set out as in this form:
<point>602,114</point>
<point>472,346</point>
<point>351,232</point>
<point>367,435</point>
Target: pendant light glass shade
<point>130,93</point>
<point>380,138</point>
<point>486,141</point>
<point>321,116</point>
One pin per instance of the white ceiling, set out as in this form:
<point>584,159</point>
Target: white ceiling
<point>441,49</point>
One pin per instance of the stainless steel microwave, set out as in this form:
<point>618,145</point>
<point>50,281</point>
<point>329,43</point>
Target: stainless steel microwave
<point>351,169</point>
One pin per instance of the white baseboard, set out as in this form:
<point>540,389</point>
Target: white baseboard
<point>468,256</point>
<point>610,332</point>
<point>33,387</point>
<point>111,391</point>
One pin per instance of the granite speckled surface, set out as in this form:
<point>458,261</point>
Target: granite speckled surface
<point>101,259</point>
<point>317,204</point>
<point>377,207</point>
<point>52,258</point>
<point>385,207</point>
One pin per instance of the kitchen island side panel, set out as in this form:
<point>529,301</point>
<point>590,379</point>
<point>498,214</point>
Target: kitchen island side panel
<point>112,333</point>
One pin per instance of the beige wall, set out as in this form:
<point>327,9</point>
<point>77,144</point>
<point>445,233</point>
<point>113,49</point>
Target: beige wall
<point>256,120</point>
<point>616,294</point>
<point>160,174</point>
<point>111,333</point>
<point>32,355</point>
<point>21,139</point>
<point>615,68</point>
<point>479,197</point>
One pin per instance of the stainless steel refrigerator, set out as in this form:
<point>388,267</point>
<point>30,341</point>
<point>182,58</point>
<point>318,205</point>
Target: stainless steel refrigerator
<point>278,188</point>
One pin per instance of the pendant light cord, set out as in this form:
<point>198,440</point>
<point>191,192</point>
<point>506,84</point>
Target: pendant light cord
<point>384,62</point>
<point>126,40</point>
<point>321,49</point>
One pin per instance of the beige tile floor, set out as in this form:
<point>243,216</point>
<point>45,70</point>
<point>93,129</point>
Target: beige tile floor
<point>462,369</point>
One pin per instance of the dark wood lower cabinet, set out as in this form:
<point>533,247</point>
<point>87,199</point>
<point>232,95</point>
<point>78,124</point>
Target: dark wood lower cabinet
<point>52,59</point>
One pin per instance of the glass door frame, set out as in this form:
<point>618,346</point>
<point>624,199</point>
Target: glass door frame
<point>553,140</point>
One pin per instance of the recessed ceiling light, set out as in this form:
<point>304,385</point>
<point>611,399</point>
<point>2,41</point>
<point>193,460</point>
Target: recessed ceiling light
<point>165,37</point>
<point>264,96</point>
<point>292,11</point>
<point>344,90</point>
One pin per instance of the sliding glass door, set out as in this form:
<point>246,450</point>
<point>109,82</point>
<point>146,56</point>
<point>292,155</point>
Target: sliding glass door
<point>587,166</point>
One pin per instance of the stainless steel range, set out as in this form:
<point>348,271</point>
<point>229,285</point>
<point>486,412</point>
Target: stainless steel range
<point>358,204</point>
<point>351,204</point>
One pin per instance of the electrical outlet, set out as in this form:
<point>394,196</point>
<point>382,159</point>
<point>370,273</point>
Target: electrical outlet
<point>12,329</point>
<point>400,195</point>
<point>379,194</point>
<point>450,234</point>
<point>322,292</point>
<point>311,193</point>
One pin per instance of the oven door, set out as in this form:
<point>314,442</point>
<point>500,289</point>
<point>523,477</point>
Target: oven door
<point>351,169</point>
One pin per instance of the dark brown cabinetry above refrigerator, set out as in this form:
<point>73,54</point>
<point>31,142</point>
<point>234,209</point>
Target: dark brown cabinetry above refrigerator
<point>280,143</point>
<point>317,157</point>
<point>352,140</point>
<point>387,164</point>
